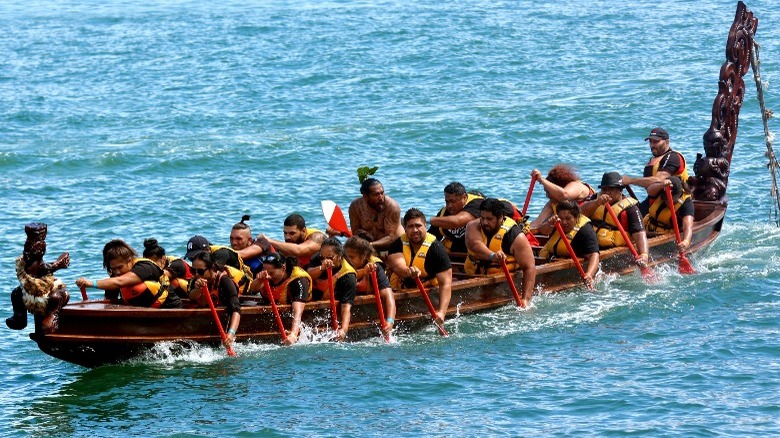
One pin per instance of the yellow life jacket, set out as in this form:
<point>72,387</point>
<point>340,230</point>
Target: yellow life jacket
<point>474,266</point>
<point>321,284</point>
<point>416,260</point>
<point>364,283</point>
<point>606,229</point>
<point>655,162</point>
<point>179,284</point>
<point>447,233</point>
<point>150,293</point>
<point>555,245</point>
<point>658,218</point>
<point>243,270</point>
<point>280,290</point>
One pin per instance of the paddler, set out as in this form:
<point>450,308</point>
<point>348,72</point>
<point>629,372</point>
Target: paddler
<point>494,237</point>
<point>417,253</point>
<point>581,236</point>
<point>223,256</point>
<point>299,240</point>
<point>363,258</point>
<point>133,280</point>
<point>217,281</point>
<point>625,209</point>
<point>664,163</point>
<point>460,208</point>
<point>290,284</point>
<point>250,250</point>
<point>374,216</point>
<point>331,256</point>
<point>659,218</point>
<point>177,270</point>
<point>562,183</point>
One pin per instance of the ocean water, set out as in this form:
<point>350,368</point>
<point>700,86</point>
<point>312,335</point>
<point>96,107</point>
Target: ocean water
<point>171,118</point>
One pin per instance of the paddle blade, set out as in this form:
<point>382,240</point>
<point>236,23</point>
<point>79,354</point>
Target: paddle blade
<point>335,217</point>
<point>685,265</point>
<point>648,274</point>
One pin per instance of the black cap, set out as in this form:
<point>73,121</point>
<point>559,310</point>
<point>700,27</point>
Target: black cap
<point>196,245</point>
<point>658,134</point>
<point>611,179</point>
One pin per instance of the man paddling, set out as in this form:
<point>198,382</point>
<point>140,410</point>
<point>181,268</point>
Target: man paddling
<point>375,216</point>
<point>625,209</point>
<point>664,163</point>
<point>460,208</point>
<point>249,249</point>
<point>493,239</point>
<point>299,241</point>
<point>417,253</point>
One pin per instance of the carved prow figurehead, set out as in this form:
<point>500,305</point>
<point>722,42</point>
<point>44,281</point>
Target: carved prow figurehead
<point>712,170</point>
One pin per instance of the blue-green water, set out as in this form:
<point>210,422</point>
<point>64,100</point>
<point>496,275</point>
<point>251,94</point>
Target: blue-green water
<point>168,119</point>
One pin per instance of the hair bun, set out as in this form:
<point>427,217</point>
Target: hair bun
<point>150,243</point>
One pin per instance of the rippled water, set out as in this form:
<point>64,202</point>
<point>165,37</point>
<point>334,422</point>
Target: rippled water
<point>168,119</point>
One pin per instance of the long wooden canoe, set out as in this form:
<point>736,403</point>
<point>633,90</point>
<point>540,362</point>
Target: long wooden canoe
<point>95,332</point>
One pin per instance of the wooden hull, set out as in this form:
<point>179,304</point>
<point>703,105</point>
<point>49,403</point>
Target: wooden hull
<point>95,333</point>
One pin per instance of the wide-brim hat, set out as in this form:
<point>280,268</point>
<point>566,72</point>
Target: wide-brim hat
<point>612,180</point>
<point>195,245</point>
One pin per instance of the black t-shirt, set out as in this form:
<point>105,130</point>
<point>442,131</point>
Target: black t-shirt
<point>228,295</point>
<point>381,277</point>
<point>346,286</point>
<point>585,241</point>
<point>458,235</point>
<point>670,163</point>
<point>437,260</point>
<point>686,209</point>
<point>298,290</point>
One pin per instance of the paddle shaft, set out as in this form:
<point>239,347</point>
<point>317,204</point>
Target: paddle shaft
<point>685,265</point>
<point>574,258</point>
<point>380,310</point>
<point>83,293</point>
<point>428,302</point>
<point>275,309</point>
<point>646,271</point>
<point>222,333</point>
<point>511,282</point>
<point>334,321</point>
<point>528,195</point>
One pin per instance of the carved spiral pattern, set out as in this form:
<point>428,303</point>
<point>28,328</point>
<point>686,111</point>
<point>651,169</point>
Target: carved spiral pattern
<point>712,170</point>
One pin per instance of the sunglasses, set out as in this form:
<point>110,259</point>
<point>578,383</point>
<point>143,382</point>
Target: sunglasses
<point>199,271</point>
<point>273,259</point>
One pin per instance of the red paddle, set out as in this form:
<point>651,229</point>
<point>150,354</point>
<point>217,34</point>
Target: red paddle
<point>379,308</point>
<point>276,309</point>
<point>83,293</point>
<point>442,330</point>
<point>574,258</point>
<point>528,196</point>
<point>333,319</point>
<point>647,273</point>
<point>222,333</point>
<point>685,266</point>
<point>335,217</point>
<point>511,282</point>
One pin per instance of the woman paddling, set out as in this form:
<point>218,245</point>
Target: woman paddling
<point>289,284</point>
<point>218,282</point>
<point>562,183</point>
<point>580,233</point>
<point>361,256</point>
<point>177,270</point>
<point>136,281</point>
